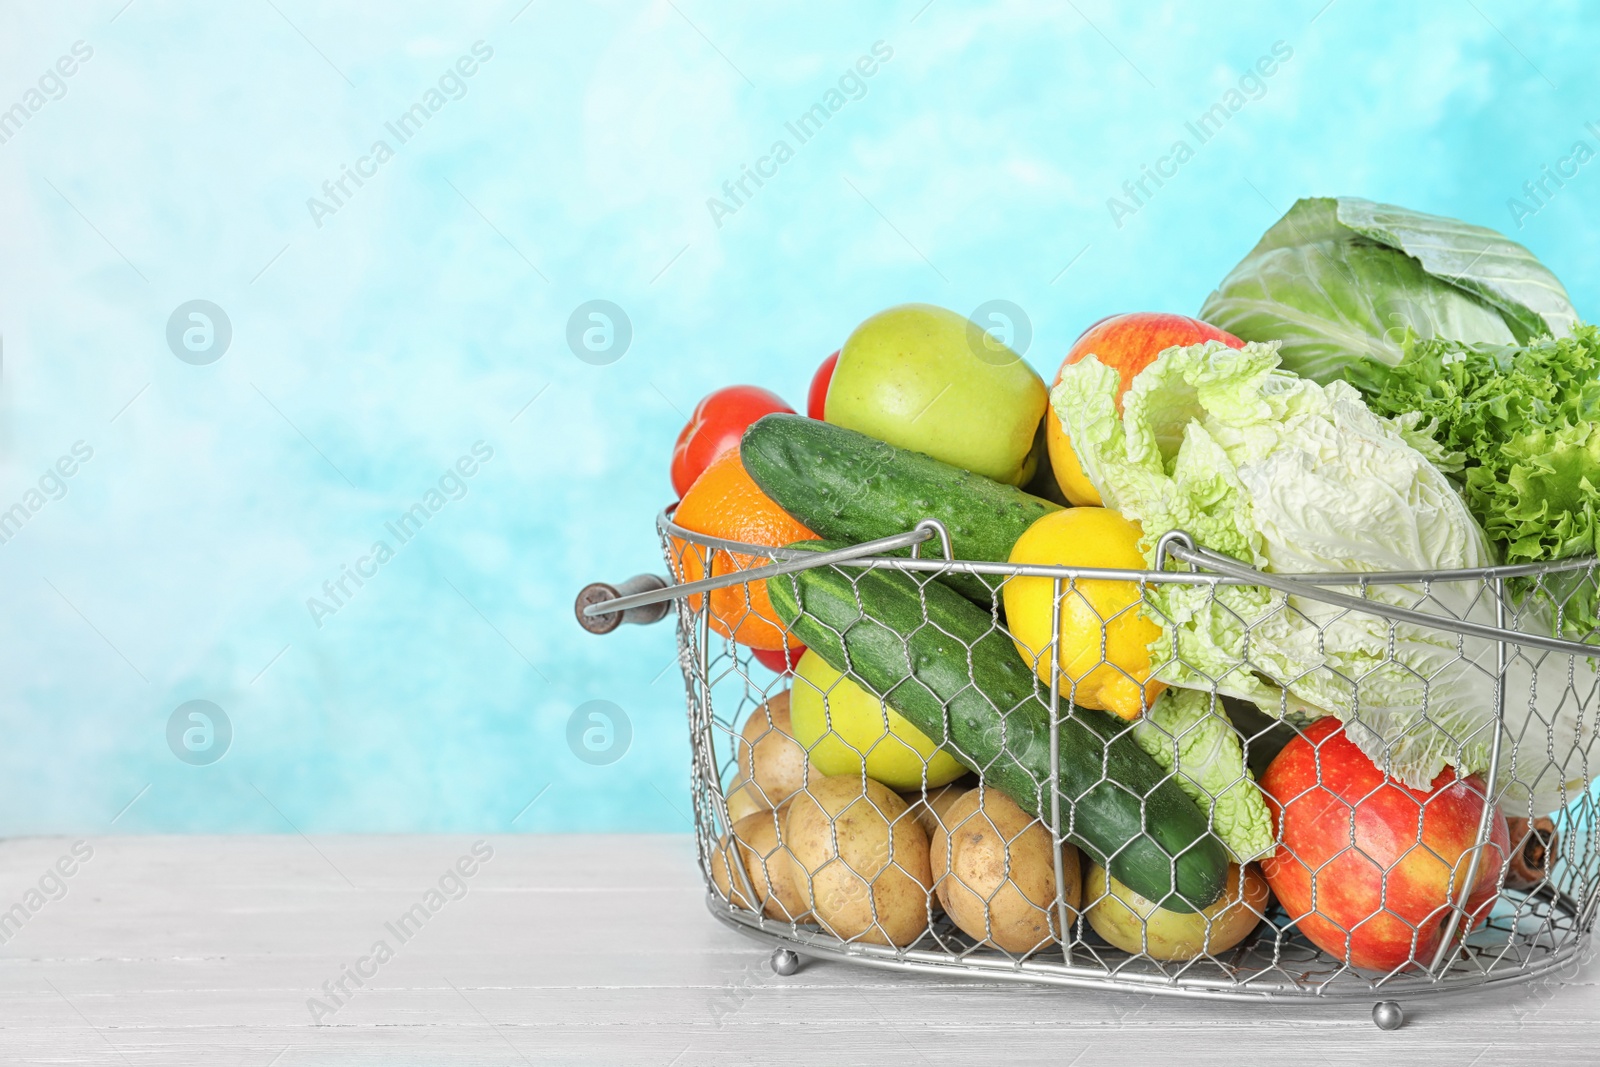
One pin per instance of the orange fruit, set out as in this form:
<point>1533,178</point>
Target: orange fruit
<point>725,502</point>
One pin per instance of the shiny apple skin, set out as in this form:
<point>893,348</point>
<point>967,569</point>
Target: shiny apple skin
<point>1381,861</point>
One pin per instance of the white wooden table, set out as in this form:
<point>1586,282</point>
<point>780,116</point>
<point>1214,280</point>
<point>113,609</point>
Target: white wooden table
<point>585,950</point>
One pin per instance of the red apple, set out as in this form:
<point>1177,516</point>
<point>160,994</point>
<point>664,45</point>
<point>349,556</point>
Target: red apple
<point>1367,868</point>
<point>817,398</point>
<point>1129,343</point>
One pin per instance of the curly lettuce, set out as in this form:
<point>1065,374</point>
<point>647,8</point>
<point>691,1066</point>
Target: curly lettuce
<point>1523,426</point>
<point>1290,476</point>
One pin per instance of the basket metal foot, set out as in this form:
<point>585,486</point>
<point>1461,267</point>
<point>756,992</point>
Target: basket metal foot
<point>1387,1015</point>
<point>785,961</point>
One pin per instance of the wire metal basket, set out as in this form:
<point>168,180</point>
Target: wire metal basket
<point>962,872</point>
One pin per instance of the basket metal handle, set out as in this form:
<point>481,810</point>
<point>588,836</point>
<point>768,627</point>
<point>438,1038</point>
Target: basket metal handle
<point>640,603</point>
<point>1180,547</point>
<point>601,607</point>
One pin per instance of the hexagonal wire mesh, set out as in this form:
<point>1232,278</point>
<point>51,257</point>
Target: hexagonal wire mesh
<point>1009,850</point>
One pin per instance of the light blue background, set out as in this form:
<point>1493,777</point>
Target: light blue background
<point>372,351</point>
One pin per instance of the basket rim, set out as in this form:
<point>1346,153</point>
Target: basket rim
<point>1042,969</point>
<point>1206,568</point>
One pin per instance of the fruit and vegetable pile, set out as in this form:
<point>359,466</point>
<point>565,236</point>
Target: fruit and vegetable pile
<point>1370,390</point>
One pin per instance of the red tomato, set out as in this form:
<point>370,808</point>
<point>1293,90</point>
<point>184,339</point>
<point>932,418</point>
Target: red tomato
<point>774,659</point>
<point>817,398</point>
<point>716,426</point>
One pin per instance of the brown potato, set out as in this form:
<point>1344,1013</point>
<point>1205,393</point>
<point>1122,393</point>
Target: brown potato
<point>859,861</point>
<point>996,875</point>
<point>1135,924</point>
<point>766,861</point>
<point>745,799</point>
<point>930,812</point>
<point>769,756</point>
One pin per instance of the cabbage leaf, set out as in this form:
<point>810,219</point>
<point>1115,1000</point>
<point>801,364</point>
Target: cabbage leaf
<point>1341,281</point>
<point>1289,477</point>
<point>1187,731</point>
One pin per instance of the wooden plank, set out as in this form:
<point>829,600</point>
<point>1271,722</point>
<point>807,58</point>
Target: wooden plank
<point>589,949</point>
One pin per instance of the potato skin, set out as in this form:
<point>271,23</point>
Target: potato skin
<point>767,864</point>
<point>769,756</point>
<point>930,812</point>
<point>994,872</point>
<point>772,764</point>
<point>744,800</point>
<point>873,886</point>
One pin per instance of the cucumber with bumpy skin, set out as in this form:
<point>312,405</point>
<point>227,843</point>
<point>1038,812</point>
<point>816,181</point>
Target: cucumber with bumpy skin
<point>939,660</point>
<point>846,486</point>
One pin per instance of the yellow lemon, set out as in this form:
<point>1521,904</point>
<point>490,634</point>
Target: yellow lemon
<point>1094,612</point>
<point>1075,485</point>
<point>839,723</point>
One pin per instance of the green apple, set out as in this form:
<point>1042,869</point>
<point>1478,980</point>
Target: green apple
<point>846,730</point>
<point>1137,925</point>
<point>925,378</point>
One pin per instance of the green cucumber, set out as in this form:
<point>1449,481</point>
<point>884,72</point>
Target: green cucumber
<point>846,486</point>
<point>942,663</point>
